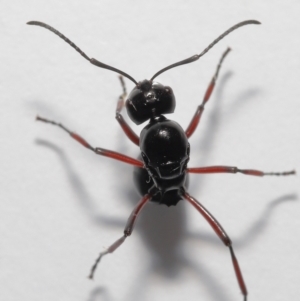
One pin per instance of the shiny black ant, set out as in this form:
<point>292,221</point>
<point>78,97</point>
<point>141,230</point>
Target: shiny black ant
<point>161,172</point>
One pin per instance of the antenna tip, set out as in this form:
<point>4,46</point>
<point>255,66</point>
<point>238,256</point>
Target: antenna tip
<point>30,23</point>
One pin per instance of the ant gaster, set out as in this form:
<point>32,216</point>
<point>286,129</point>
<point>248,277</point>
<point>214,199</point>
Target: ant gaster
<point>161,171</point>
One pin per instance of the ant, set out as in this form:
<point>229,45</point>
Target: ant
<point>161,172</point>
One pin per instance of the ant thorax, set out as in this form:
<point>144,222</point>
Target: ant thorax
<point>165,151</point>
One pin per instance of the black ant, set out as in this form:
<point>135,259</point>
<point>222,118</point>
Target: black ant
<point>161,172</point>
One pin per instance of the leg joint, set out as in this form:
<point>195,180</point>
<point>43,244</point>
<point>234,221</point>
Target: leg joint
<point>228,242</point>
<point>127,233</point>
<point>201,107</point>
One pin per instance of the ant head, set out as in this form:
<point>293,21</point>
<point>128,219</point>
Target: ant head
<point>148,100</point>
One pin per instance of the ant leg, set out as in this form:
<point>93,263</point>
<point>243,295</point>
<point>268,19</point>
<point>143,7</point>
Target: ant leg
<point>127,232</point>
<point>223,236</point>
<point>195,121</point>
<point>97,150</point>
<point>126,128</point>
<point>230,169</point>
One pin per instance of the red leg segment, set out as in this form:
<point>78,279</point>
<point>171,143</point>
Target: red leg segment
<point>127,232</point>
<point>230,169</point>
<point>97,150</point>
<point>126,128</point>
<point>195,121</point>
<point>223,236</point>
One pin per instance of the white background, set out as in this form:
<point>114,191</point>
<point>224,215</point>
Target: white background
<point>61,205</point>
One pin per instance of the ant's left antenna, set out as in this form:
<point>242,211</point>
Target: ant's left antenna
<point>197,56</point>
<point>91,60</point>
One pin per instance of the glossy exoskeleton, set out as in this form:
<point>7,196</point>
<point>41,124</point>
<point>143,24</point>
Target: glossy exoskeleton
<point>164,145</point>
<point>161,172</point>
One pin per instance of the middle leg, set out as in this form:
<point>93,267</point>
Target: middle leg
<point>96,150</point>
<point>234,170</point>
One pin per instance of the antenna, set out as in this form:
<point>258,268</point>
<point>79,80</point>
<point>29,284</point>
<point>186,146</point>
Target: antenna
<point>197,56</point>
<point>91,60</point>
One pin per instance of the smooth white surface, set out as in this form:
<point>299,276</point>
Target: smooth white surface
<point>60,204</point>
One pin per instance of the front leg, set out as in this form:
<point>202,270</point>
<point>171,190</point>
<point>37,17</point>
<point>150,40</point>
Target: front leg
<point>196,119</point>
<point>124,125</point>
<point>97,150</point>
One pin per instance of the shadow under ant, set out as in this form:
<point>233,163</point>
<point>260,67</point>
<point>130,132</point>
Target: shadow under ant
<point>99,292</point>
<point>163,229</point>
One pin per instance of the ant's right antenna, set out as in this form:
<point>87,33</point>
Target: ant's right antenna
<point>91,60</point>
